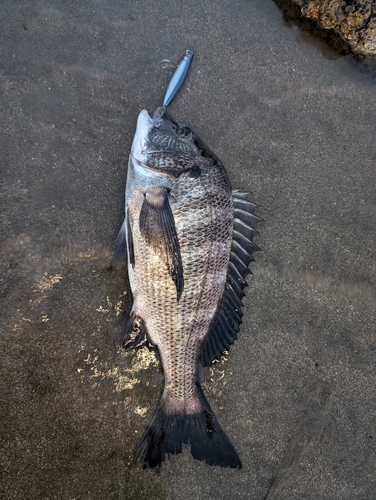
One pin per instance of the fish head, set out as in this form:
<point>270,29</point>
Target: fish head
<point>163,145</point>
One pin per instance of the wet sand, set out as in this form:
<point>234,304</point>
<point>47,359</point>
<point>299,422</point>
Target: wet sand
<point>295,125</point>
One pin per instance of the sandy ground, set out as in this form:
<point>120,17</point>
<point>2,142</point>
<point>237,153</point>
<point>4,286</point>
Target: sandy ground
<point>295,125</point>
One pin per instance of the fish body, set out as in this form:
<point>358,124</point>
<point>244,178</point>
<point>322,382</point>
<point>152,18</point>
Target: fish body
<point>188,240</point>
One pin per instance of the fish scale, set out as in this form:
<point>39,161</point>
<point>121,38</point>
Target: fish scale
<point>189,242</point>
<point>195,299</point>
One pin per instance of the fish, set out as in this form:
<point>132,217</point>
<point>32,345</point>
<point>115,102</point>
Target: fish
<point>187,238</point>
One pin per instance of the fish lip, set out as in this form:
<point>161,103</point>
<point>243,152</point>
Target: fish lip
<point>145,115</point>
<point>144,125</point>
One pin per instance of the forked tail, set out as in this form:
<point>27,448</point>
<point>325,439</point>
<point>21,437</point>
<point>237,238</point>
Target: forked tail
<point>167,433</point>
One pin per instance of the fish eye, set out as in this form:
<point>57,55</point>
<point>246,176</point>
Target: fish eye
<point>183,132</point>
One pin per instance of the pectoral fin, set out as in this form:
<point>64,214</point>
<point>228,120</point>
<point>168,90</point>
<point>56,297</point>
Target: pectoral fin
<point>157,226</point>
<point>130,241</point>
<point>120,254</point>
<point>124,243</point>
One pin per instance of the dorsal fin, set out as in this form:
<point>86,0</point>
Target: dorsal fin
<point>228,318</point>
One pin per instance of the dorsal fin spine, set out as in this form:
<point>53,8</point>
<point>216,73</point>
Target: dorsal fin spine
<point>227,320</point>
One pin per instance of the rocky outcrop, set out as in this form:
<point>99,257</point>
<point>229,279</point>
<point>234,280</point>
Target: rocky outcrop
<point>354,21</point>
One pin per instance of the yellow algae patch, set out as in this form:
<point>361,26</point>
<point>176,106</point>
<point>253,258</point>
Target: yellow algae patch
<point>144,358</point>
<point>117,307</point>
<point>43,285</point>
<point>217,381</point>
<point>127,401</point>
<point>101,309</point>
<point>123,378</point>
<point>47,282</point>
<point>84,255</point>
<point>141,411</point>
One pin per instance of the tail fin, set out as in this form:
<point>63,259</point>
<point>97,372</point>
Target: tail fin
<point>167,433</point>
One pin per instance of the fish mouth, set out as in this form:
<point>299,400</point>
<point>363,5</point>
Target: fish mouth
<point>147,157</point>
<point>144,170</point>
<point>158,116</point>
<point>144,125</point>
<point>171,173</point>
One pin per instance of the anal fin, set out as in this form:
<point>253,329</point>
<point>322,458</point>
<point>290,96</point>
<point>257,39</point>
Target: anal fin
<point>135,324</point>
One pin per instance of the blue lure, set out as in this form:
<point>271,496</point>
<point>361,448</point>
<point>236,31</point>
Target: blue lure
<point>178,78</point>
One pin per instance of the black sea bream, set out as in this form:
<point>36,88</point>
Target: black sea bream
<point>188,240</point>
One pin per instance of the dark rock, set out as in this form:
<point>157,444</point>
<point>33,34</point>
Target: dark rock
<point>354,21</point>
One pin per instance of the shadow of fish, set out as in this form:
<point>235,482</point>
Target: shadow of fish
<point>187,238</point>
